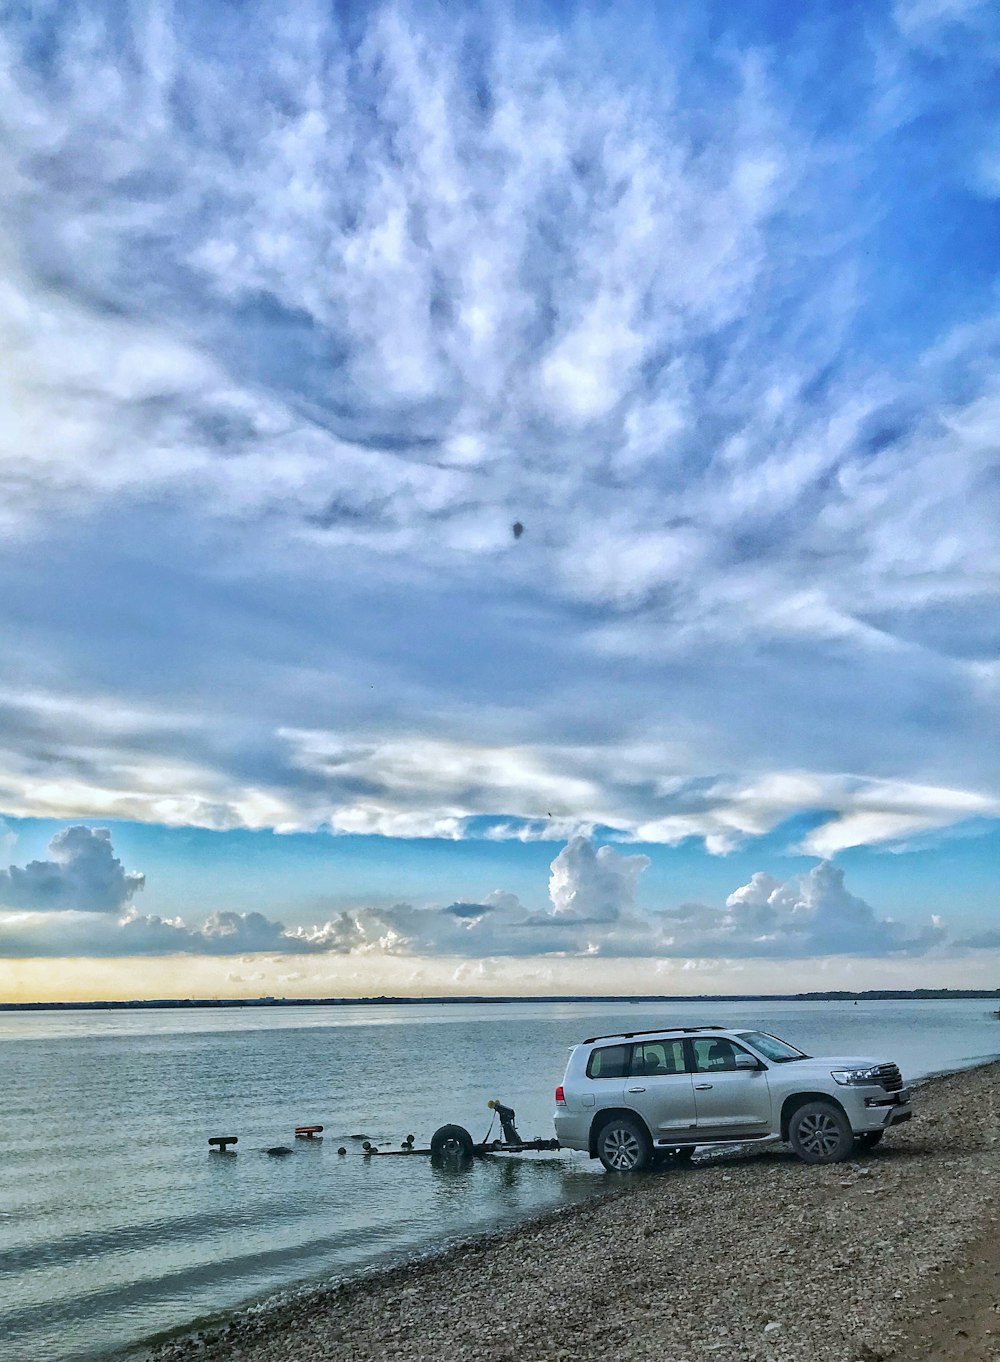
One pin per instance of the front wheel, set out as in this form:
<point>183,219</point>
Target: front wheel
<point>819,1132</point>
<point>624,1146</point>
<point>869,1139</point>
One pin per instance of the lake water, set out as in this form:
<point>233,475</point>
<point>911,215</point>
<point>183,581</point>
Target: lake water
<point>116,1222</point>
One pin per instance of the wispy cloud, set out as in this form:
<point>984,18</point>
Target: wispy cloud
<point>85,757</point>
<point>81,756</point>
<point>315,310</point>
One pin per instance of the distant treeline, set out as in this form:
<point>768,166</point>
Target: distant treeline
<point>832,996</point>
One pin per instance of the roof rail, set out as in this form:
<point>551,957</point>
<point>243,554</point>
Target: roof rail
<point>653,1031</point>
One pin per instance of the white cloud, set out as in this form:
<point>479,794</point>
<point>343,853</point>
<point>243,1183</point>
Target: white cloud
<point>381,192</point>
<point>71,933</point>
<point>593,886</point>
<point>86,756</point>
<point>921,811</point>
<point>592,912</point>
<point>809,915</point>
<point>83,874</point>
<point>921,20</point>
<point>345,320</point>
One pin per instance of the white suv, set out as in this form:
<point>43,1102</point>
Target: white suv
<point>630,1099</point>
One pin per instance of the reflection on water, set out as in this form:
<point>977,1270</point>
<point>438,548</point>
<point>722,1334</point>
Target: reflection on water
<point>116,1221</point>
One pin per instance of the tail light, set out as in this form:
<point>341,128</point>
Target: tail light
<point>560,1096</point>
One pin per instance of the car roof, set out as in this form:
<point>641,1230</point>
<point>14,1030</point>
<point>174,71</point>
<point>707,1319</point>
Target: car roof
<point>659,1031</point>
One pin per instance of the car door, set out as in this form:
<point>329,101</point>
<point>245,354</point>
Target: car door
<point>660,1088</point>
<point>607,1073</point>
<point>728,1100</point>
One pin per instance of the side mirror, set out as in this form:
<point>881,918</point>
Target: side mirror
<point>744,1061</point>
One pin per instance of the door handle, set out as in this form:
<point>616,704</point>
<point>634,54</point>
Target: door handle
<point>637,1089</point>
<point>703,1087</point>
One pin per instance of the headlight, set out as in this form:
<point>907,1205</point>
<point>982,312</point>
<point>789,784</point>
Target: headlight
<point>855,1075</point>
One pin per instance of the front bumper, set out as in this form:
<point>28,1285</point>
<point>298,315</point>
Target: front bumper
<point>872,1108</point>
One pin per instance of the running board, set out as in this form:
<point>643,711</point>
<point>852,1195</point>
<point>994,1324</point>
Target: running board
<point>680,1143</point>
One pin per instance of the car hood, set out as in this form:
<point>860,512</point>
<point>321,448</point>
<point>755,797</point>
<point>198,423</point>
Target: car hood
<point>836,1062</point>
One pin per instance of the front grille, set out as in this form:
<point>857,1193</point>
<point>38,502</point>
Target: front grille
<point>889,1077</point>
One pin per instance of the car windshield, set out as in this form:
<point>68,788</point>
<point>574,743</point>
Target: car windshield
<point>779,1051</point>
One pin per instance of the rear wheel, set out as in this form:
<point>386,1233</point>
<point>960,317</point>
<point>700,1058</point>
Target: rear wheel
<point>624,1146</point>
<point>819,1132</point>
<point>869,1139</point>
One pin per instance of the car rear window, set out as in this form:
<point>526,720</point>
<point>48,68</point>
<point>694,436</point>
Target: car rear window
<point>611,1061</point>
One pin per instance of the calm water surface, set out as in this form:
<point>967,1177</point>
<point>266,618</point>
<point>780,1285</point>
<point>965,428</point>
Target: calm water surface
<point>116,1223</point>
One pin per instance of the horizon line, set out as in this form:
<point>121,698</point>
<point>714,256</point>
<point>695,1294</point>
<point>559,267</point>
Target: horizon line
<point>382,1000</point>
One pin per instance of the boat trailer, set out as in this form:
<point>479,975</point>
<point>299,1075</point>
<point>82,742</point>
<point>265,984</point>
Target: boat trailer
<point>449,1143</point>
<point>453,1143</point>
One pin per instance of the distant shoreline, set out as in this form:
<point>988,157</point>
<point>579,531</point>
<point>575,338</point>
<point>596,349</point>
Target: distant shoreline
<point>832,996</point>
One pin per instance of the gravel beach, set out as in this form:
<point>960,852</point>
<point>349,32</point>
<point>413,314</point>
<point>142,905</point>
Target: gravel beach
<point>747,1256</point>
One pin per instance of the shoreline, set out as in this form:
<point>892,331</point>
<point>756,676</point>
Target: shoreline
<point>744,1231</point>
<point>870,995</point>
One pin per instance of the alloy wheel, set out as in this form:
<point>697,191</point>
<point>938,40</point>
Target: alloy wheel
<point>819,1134</point>
<point>621,1149</point>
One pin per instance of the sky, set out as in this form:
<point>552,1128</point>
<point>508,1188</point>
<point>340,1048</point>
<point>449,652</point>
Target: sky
<point>499,498</point>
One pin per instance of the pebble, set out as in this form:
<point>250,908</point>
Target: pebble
<point>674,1265</point>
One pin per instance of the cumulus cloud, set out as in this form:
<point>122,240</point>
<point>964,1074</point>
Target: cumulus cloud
<point>79,902</point>
<point>83,874</point>
<point>592,912</point>
<point>808,915</point>
<point>593,886</point>
<point>69,933</point>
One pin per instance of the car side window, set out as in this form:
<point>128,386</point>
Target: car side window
<point>610,1061</point>
<point>715,1054</point>
<point>658,1057</point>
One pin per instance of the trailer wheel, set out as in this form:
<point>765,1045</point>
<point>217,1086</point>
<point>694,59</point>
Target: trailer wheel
<point>451,1142</point>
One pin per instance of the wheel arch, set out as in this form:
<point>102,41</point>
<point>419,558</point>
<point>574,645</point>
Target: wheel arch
<point>801,1099</point>
<point>607,1114</point>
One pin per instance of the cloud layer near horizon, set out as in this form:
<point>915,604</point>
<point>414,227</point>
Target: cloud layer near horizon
<point>73,906</point>
<point>300,315</point>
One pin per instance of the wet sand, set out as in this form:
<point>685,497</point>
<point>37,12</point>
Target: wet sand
<point>748,1256</point>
